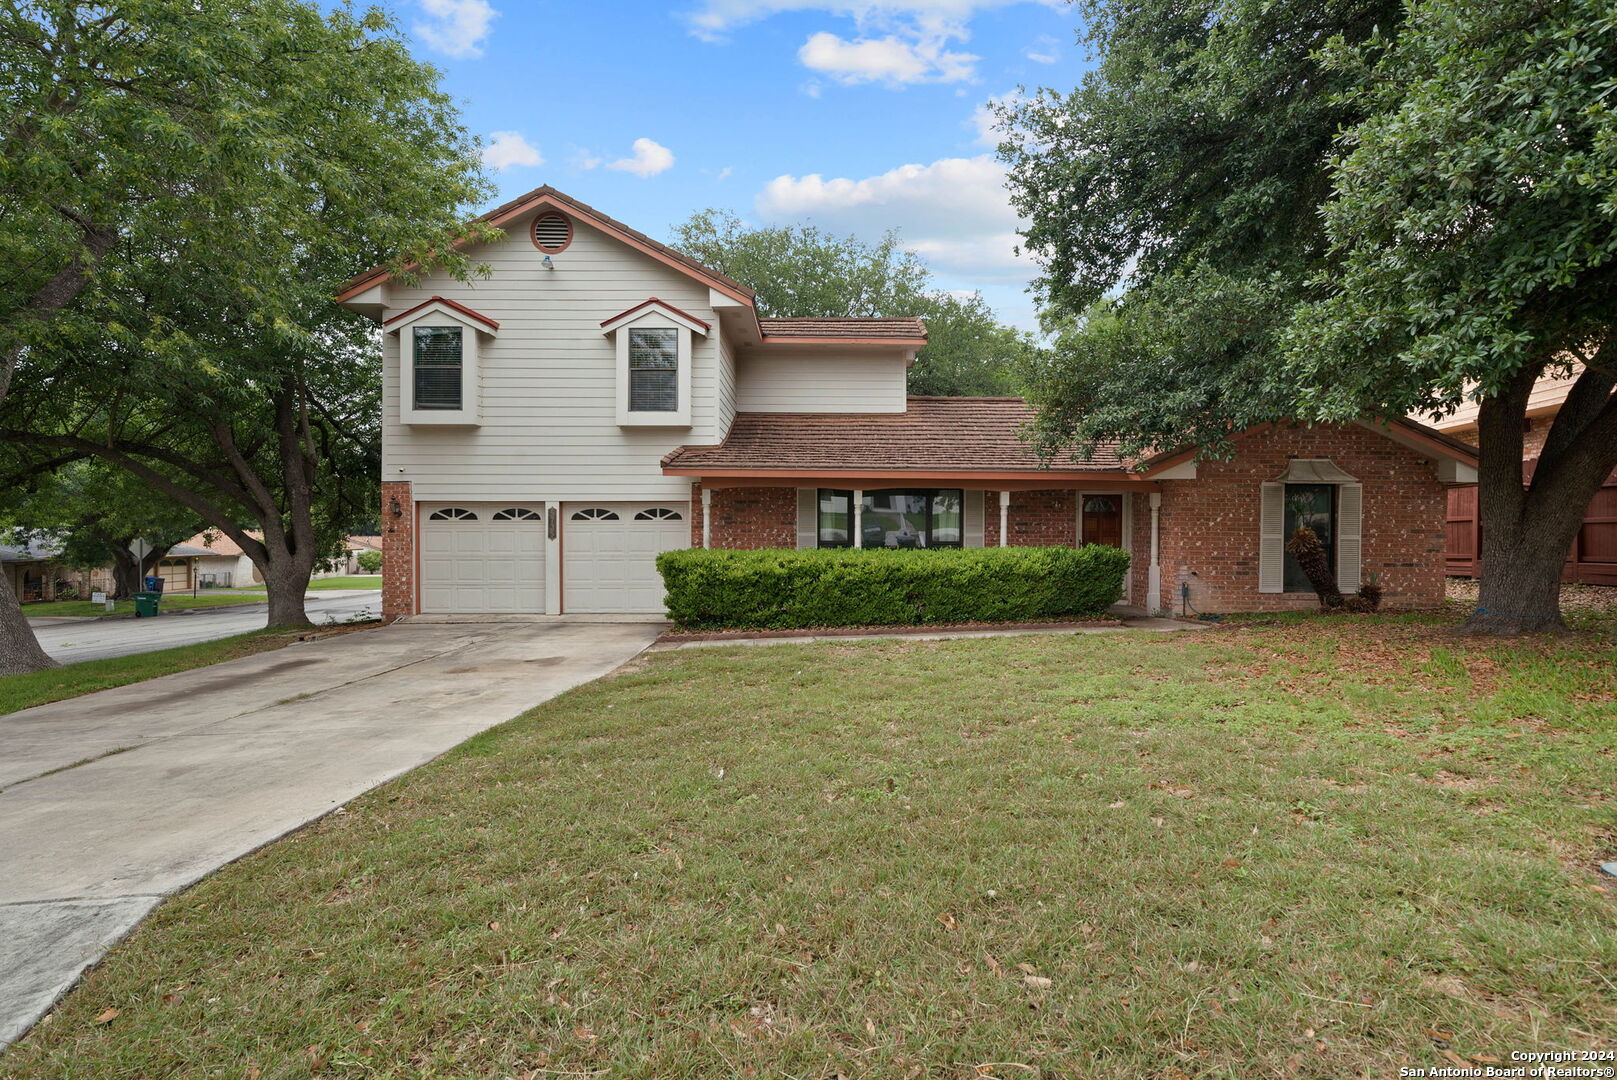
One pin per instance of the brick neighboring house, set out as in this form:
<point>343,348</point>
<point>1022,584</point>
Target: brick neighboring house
<point>1593,558</point>
<point>600,398</point>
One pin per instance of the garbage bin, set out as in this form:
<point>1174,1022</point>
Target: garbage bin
<point>146,604</point>
<point>154,585</point>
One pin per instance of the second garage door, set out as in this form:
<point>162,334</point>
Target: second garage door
<point>609,560</point>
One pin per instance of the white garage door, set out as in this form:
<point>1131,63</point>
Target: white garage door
<point>483,558</point>
<point>609,561</point>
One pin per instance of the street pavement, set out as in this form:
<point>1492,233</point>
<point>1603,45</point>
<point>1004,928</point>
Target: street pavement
<point>73,640</point>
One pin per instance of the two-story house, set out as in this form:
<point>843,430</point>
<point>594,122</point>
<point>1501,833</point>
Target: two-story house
<point>600,398</point>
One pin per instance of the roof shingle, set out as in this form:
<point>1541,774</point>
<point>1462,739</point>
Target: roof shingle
<point>936,434</point>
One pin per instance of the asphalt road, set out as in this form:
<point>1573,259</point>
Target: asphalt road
<point>94,639</point>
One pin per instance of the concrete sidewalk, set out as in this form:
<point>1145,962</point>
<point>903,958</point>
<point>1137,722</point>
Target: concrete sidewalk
<point>112,801</point>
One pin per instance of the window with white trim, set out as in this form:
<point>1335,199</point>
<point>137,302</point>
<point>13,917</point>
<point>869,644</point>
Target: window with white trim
<point>653,369</point>
<point>437,366</point>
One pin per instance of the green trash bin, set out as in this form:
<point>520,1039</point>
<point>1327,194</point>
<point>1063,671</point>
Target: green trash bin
<point>146,604</point>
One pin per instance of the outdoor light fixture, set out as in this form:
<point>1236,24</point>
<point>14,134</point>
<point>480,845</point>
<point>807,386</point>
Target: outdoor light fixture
<point>396,510</point>
<point>548,263</point>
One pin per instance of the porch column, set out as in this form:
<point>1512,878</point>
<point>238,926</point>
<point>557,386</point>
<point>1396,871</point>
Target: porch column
<point>1004,519</point>
<point>858,519</point>
<point>1153,578</point>
<point>707,518</point>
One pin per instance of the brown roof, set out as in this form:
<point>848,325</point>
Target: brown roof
<point>936,434</point>
<point>222,544</point>
<point>522,203</point>
<point>907,327</point>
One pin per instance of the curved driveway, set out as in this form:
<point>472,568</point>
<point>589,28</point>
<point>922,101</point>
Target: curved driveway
<point>111,801</point>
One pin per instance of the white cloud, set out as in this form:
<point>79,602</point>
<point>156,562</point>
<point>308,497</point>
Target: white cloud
<point>955,212</point>
<point>889,60</point>
<point>984,121</point>
<point>724,173</point>
<point>456,27</point>
<point>897,42</point>
<point>508,150</point>
<point>713,18</point>
<point>649,159</point>
<point>1043,50</point>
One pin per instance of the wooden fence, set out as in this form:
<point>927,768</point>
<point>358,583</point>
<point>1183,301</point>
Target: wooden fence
<point>1592,560</point>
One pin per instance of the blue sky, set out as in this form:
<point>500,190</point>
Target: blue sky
<point>856,115</point>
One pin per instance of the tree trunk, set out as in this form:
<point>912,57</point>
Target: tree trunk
<point>1528,530</point>
<point>19,648</point>
<point>286,583</point>
<point>125,574</point>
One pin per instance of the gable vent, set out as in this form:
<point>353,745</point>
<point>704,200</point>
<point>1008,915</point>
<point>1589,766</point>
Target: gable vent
<point>552,232</point>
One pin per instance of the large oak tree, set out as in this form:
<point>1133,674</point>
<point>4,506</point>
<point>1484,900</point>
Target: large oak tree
<point>1255,211</point>
<point>255,149</point>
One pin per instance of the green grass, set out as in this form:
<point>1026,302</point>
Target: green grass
<point>71,680</point>
<point>352,581</point>
<point>1319,849</point>
<point>86,609</point>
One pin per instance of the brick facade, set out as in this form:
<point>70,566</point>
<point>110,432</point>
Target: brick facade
<point>398,550</point>
<point>1035,518</point>
<point>1209,526</point>
<point>755,517</point>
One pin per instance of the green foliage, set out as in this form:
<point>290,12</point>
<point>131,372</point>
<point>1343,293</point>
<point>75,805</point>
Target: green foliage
<point>215,172</point>
<point>804,271</point>
<point>1474,224</point>
<point>783,589</point>
<point>1173,200</point>
<point>370,561</point>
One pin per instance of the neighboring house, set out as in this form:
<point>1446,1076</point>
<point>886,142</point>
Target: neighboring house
<point>223,564</point>
<point>601,398</point>
<point>34,573</point>
<point>1593,558</point>
<point>353,547</point>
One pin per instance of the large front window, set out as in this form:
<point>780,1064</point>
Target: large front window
<point>1313,505</point>
<point>437,362</point>
<point>654,370</point>
<point>896,518</point>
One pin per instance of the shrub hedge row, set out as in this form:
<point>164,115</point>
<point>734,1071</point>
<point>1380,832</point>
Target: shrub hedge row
<point>779,589</point>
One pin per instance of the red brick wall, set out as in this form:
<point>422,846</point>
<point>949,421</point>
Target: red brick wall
<point>758,517</point>
<point>696,514</point>
<point>1209,525</point>
<point>398,551</point>
<point>1036,518</point>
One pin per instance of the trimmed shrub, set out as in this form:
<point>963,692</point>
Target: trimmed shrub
<point>779,589</point>
<point>370,562</point>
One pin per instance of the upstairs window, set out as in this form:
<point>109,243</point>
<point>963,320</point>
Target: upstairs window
<point>437,353</point>
<point>653,369</point>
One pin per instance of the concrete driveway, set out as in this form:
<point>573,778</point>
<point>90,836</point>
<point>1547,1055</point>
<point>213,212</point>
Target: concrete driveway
<point>111,801</point>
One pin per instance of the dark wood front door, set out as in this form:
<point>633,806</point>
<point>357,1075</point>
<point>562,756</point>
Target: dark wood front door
<point>1103,520</point>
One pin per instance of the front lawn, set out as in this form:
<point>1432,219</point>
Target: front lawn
<point>71,680</point>
<point>87,609</point>
<point>1320,849</point>
<point>349,581</point>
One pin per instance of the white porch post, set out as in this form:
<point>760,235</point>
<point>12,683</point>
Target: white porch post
<point>1004,518</point>
<point>1153,579</point>
<point>552,557</point>
<point>858,519</point>
<point>707,518</point>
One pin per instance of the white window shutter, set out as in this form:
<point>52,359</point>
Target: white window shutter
<point>974,519</point>
<point>1272,539</point>
<point>1349,536</point>
<point>808,517</point>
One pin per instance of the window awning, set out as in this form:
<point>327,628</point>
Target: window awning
<point>1314,471</point>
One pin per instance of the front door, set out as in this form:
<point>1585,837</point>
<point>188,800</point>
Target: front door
<point>1103,520</point>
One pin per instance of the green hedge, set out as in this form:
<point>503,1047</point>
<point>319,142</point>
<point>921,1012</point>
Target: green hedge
<point>783,590</point>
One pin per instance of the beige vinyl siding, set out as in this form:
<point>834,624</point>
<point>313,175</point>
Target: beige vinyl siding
<point>548,380</point>
<point>726,386</point>
<point>816,379</point>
